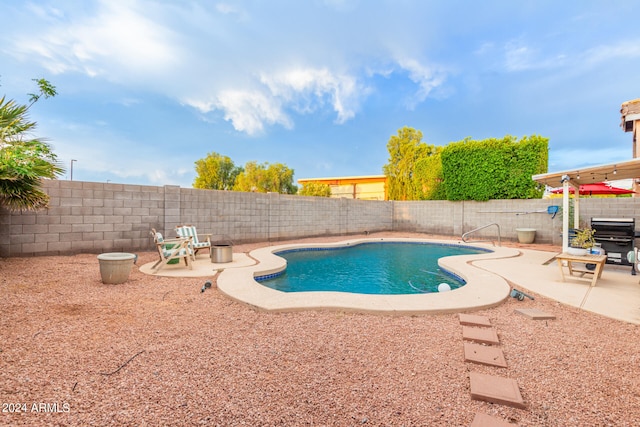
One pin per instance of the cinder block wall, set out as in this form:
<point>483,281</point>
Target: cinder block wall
<point>433,217</point>
<point>85,217</point>
<point>102,217</point>
<point>618,207</point>
<point>457,218</point>
<point>246,217</point>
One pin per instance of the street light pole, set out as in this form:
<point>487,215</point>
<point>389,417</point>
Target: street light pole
<point>72,160</point>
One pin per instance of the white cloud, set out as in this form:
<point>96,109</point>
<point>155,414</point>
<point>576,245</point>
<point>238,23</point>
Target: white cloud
<point>231,9</point>
<point>226,8</point>
<point>45,12</point>
<point>128,102</point>
<point>427,78</point>
<point>304,87</point>
<point>485,47</point>
<point>303,90</point>
<point>518,57</point>
<point>120,41</point>
<point>221,57</point>
<point>626,49</point>
<point>249,111</point>
<point>515,55</point>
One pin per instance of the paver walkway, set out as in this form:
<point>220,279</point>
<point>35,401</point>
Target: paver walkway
<point>490,388</point>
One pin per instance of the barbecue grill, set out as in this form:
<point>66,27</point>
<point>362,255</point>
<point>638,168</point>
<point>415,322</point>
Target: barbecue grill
<point>616,237</point>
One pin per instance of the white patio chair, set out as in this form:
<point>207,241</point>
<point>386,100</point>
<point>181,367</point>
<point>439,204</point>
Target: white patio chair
<point>189,231</point>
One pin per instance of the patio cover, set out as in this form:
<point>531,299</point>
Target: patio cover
<point>629,169</point>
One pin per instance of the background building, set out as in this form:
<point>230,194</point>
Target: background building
<point>630,112</point>
<point>371,187</point>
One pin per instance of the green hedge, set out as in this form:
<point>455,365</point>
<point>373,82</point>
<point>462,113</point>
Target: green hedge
<point>494,168</point>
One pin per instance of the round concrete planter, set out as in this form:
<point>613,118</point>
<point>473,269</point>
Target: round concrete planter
<point>526,235</point>
<point>115,267</point>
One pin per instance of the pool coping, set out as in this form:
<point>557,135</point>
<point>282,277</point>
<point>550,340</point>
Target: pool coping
<point>484,289</point>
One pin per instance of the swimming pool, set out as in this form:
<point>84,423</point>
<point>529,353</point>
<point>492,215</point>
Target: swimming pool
<point>483,289</point>
<point>384,268</point>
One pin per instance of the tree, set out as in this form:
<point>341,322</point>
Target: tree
<point>263,178</point>
<point>405,150</point>
<point>216,172</point>
<point>317,189</point>
<point>25,161</point>
<point>429,178</point>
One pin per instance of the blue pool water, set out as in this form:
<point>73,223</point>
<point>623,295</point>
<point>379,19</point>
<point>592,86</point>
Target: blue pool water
<point>368,268</point>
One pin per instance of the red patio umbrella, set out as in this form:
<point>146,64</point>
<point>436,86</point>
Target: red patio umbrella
<point>596,188</point>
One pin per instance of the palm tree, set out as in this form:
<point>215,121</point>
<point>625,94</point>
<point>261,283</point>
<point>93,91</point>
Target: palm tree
<point>24,161</point>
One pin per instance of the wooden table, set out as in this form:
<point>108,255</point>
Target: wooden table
<point>598,260</point>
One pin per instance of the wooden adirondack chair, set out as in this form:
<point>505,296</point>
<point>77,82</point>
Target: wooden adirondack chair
<point>170,249</point>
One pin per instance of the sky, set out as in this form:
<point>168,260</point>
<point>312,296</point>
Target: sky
<point>148,87</point>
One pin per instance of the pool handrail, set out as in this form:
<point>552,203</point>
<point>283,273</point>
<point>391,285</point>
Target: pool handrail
<point>465,235</point>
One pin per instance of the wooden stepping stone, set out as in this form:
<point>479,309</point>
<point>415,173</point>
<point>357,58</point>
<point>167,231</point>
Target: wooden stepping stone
<point>481,335</point>
<point>473,320</point>
<point>484,420</point>
<point>534,313</point>
<point>484,355</point>
<point>504,391</point>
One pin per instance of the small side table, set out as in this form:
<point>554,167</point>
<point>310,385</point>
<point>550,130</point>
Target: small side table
<point>598,260</point>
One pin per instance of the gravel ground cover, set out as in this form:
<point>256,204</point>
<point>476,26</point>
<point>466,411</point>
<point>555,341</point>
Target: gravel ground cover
<point>158,351</point>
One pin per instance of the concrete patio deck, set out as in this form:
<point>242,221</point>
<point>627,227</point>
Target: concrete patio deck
<point>202,267</point>
<point>617,294</point>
